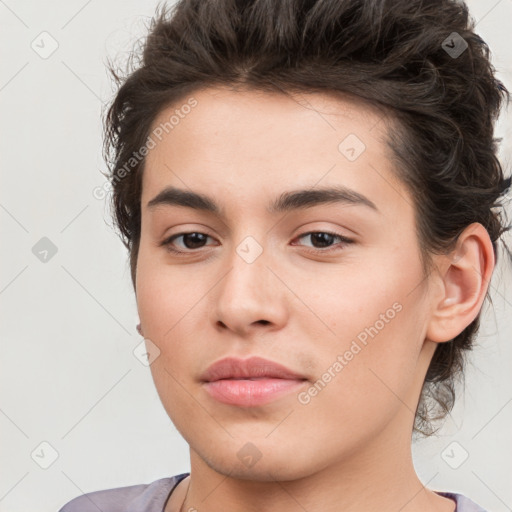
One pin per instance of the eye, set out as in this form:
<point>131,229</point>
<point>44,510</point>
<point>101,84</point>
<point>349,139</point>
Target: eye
<point>325,238</point>
<point>192,240</point>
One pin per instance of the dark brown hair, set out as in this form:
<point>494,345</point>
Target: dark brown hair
<point>420,60</point>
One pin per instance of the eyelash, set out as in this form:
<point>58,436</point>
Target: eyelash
<point>344,242</point>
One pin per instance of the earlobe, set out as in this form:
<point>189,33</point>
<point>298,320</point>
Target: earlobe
<point>465,278</point>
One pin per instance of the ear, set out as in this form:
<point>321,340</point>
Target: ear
<point>465,275</point>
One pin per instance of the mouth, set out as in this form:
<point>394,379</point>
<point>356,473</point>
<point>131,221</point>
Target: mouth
<point>250,382</point>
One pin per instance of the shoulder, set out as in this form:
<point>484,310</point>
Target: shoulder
<point>134,498</point>
<point>464,504</point>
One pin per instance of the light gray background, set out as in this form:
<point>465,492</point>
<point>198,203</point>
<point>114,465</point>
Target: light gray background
<point>68,374</point>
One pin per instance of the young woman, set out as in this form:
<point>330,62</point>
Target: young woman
<point>309,193</point>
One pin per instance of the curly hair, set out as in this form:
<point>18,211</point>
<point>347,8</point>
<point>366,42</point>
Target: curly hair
<point>419,60</point>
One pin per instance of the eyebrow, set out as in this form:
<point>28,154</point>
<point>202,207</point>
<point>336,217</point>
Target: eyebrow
<point>287,201</point>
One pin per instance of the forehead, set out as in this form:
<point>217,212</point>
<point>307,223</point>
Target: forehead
<point>298,113</point>
<point>248,144</point>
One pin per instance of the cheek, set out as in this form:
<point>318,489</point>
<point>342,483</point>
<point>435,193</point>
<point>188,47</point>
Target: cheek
<point>370,338</point>
<point>165,296</point>
<point>166,303</point>
<point>356,299</point>
<point>166,311</point>
<point>363,382</point>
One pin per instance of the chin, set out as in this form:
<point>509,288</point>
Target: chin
<point>245,461</point>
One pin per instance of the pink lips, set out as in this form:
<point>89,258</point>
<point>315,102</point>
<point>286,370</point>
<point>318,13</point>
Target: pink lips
<point>249,382</point>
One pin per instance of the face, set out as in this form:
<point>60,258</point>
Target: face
<point>331,289</point>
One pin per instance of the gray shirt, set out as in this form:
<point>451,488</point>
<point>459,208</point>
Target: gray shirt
<point>154,496</point>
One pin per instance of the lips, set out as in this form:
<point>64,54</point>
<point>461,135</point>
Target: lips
<point>252,382</point>
<point>253,368</point>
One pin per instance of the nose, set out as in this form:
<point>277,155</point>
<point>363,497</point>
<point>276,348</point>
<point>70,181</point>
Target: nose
<point>250,297</point>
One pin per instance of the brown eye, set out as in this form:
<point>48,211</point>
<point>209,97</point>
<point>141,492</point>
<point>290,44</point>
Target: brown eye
<point>191,240</point>
<point>322,240</point>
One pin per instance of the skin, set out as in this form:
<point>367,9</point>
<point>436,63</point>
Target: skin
<point>349,448</point>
